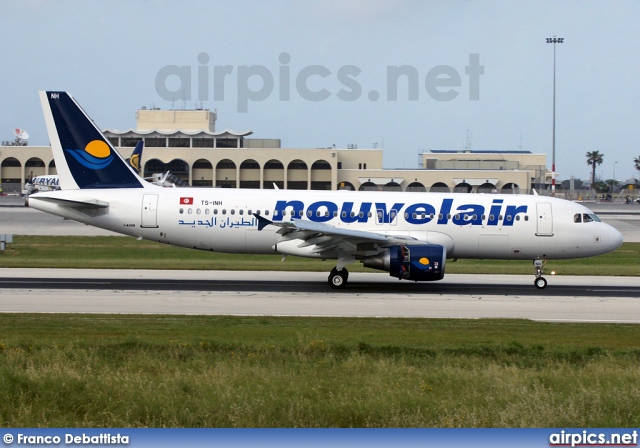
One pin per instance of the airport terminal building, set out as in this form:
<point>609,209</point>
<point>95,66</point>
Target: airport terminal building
<point>186,143</point>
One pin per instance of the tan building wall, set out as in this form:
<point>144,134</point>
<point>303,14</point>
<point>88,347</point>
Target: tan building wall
<point>169,120</point>
<point>535,164</point>
<point>20,163</point>
<point>436,180</point>
<point>297,168</point>
<point>480,160</point>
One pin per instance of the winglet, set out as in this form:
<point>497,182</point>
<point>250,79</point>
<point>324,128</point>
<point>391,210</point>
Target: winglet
<point>262,222</point>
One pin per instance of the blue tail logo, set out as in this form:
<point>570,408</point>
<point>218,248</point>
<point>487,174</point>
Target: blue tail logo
<point>91,160</point>
<point>95,156</point>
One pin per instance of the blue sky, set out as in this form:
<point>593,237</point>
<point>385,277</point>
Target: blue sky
<point>111,55</point>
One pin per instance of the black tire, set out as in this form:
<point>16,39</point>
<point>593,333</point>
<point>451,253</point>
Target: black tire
<point>540,282</point>
<point>338,279</point>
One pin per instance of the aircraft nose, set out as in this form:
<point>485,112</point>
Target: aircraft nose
<point>614,238</point>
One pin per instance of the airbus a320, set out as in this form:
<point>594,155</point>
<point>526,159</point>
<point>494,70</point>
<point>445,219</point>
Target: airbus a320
<point>410,235</point>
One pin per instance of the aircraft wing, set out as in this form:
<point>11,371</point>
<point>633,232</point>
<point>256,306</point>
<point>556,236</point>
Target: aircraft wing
<point>326,237</point>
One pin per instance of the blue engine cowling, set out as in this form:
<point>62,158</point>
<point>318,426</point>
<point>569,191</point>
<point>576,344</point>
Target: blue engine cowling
<point>418,263</point>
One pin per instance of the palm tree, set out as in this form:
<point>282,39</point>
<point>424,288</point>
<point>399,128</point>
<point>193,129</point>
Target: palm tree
<point>594,158</point>
<point>637,162</point>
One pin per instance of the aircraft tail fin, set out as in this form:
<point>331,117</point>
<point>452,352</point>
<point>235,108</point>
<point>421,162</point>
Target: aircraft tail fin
<point>84,157</point>
<point>136,155</point>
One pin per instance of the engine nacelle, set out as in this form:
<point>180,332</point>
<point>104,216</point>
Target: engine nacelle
<point>419,263</point>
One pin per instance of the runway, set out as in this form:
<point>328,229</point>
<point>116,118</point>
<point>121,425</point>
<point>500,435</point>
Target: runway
<point>568,299</point>
<point>572,299</point>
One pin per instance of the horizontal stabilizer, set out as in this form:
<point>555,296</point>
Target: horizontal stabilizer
<point>84,204</point>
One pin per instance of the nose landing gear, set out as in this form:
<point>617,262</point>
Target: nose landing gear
<point>540,282</point>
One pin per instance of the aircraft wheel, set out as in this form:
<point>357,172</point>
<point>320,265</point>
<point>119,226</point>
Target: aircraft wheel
<point>338,279</point>
<point>540,282</point>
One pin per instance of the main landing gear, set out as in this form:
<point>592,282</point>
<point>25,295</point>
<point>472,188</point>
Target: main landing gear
<point>338,278</point>
<point>540,282</point>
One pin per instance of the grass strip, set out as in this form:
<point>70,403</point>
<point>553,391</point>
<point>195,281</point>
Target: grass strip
<point>216,371</point>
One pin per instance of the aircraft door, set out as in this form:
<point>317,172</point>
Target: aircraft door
<point>149,210</point>
<point>544,219</point>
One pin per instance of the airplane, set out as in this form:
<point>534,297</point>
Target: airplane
<point>41,183</point>
<point>410,235</point>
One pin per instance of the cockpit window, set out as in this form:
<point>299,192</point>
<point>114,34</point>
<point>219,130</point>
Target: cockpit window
<point>585,217</point>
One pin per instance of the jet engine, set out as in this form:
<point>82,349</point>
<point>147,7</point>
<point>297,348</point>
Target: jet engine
<point>418,263</point>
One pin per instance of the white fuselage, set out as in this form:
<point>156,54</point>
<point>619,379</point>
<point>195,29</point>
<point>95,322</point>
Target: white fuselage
<point>468,225</point>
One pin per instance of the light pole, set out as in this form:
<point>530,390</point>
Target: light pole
<point>613,181</point>
<point>554,40</point>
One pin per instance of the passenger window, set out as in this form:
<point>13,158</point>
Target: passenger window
<point>266,212</point>
<point>517,217</point>
<point>197,211</point>
<point>189,211</point>
<point>206,211</point>
<point>233,212</point>
<point>509,218</point>
<point>241,212</point>
<point>344,214</point>
<point>224,211</point>
<point>526,217</point>
<point>181,211</point>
